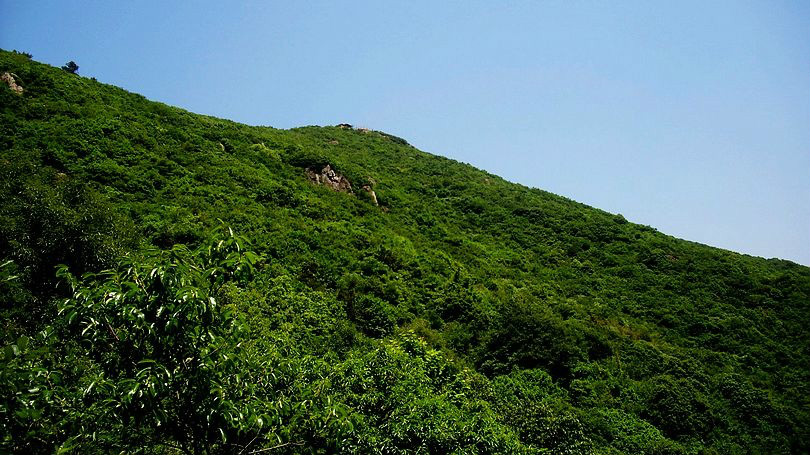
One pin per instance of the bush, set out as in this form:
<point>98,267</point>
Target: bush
<point>372,315</point>
<point>676,407</point>
<point>168,355</point>
<point>71,67</point>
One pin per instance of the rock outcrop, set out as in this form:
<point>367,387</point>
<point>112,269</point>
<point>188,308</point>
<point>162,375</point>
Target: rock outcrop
<point>328,177</point>
<point>10,80</point>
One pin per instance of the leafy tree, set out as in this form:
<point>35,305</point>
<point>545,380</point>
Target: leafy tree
<point>628,433</point>
<point>71,67</point>
<point>24,54</point>
<point>677,407</point>
<point>529,335</point>
<point>372,315</point>
<point>34,400</point>
<point>532,404</point>
<point>167,358</point>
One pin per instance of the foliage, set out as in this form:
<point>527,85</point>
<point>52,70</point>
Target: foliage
<point>167,354</point>
<point>530,402</point>
<point>463,314</point>
<point>70,67</point>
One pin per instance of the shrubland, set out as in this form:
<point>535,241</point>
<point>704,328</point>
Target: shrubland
<point>174,283</point>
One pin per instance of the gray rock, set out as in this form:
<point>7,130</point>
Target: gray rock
<point>328,177</point>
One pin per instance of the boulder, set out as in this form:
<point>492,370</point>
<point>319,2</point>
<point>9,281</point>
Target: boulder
<point>11,80</point>
<point>328,177</point>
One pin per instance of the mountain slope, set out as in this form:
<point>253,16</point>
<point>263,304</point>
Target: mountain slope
<point>463,312</point>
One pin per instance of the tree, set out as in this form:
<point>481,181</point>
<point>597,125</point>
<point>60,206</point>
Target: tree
<point>147,355</point>
<point>167,363</point>
<point>24,54</point>
<point>71,67</point>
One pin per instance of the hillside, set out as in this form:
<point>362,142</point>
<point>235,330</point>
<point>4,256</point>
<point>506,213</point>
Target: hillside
<point>457,313</point>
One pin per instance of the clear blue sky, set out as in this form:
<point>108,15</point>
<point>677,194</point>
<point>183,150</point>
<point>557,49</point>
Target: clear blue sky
<point>692,117</point>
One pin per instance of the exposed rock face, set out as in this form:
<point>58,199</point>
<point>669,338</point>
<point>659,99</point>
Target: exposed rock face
<point>10,80</point>
<point>371,193</point>
<point>328,177</point>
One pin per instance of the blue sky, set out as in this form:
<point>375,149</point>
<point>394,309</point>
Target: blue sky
<point>691,117</point>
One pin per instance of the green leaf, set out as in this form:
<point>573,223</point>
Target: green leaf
<point>22,342</point>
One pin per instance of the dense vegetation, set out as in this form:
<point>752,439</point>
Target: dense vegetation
<point>174,283</point>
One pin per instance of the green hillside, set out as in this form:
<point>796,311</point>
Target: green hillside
<point>213,297</point>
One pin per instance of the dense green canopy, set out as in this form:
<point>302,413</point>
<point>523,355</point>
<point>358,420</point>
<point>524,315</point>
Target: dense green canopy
<point>212,297</point>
